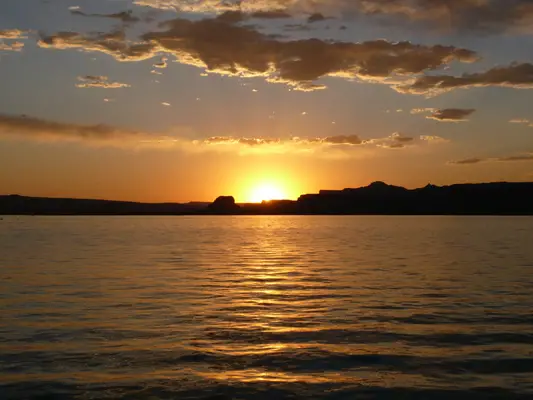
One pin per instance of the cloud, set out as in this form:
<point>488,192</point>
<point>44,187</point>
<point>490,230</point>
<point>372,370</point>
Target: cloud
<point>124,16</point>
<point>481,16</point>
<point>230,49</point>
<point>422,110</point>
<point>103,82</point>
<point>518,76</point>
<point>328,146</point>
<point>12,34</point>
<point>394,141</point>
<point>247,141</point>
<point>468,161</point>
<point>343,139</point>
<point>316,17</point>
<point>523,157</point>
<point>451,114</point>
<point>15,46</point>
<point>36,128</point>
<point>225,48</point>
<point>514,158</point>
<point>433,139</point>
<point>113,44</point>
<point>478,16</point>
<point>31,128</point>
<point>519,121</point>
<point>271,14</point>
<point>162,64</point>
<point>349,140</point>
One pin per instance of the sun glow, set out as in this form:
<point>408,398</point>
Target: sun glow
<point>267,192</point>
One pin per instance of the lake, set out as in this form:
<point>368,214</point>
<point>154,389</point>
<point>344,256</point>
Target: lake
<point>266,307</point>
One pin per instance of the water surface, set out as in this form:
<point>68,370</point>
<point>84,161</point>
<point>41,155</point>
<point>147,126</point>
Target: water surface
<point>266,307</point>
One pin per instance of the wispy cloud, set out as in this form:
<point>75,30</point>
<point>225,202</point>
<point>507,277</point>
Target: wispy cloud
<point>12,34</point>
<point>434,139</point>
<point>344,146</point>
<point>451,114</point>
<point>114,44</point>
<point>91,81</point>
<point>15,46</point>
<point>423,110</point>
<point>25,127</point>
<point>8,39</point>
<point>519,121</point>
<point>394,141</point>
<point>518,76</point>
<point>513,158</point>
<point>126,17</point>
<point>467,161</point>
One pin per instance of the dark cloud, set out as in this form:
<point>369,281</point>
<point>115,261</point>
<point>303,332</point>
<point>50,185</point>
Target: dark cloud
<point>402,139</point>
<point>126,17</point>
<point>236,16</point>
<point>515,158</point>
<point>523,157</point>
<point>273,14</point>
<point>242,50</point>
<point>482,16</point>
<point>451,114</point>
<point>316,17</point>
<point>518,76</point>
<point>479,16</point>
<point>221,46</point>
<point>22,125</point>
<point>468,161</point>
<point>343,139</point>
<point>232,17</point>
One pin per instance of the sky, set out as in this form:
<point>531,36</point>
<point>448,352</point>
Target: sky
<point>186,100</point>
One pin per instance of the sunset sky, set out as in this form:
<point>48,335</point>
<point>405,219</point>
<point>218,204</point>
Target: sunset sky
<point>185,100</point>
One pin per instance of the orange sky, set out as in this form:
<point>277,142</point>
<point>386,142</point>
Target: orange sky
<point>188,100</point>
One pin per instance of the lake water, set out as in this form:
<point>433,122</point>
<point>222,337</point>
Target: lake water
<point>266,307</point>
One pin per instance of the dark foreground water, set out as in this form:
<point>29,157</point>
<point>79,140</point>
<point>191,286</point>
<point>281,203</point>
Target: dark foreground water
<point>266,308</point>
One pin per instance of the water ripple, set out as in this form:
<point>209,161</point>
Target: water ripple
<point>266,308</point>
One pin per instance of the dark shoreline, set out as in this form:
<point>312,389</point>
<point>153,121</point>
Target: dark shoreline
<point>504,199</point>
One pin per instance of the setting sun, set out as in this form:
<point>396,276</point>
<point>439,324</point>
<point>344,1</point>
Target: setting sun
<point>266,192</point>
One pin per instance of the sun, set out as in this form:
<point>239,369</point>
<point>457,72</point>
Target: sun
<point>267,192</point>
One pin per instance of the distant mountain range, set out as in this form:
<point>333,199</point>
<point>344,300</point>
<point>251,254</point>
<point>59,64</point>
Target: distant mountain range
<point>378,198</point>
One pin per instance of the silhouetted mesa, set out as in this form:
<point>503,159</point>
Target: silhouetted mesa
<point>463,199</point>
<point>377,198</point>
<point>224,205</point>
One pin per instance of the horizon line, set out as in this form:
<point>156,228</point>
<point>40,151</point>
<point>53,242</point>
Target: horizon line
<point>259,202</point>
